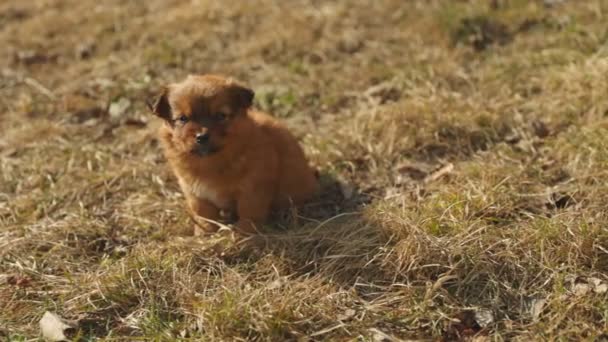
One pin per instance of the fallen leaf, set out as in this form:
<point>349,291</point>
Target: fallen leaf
<point>53,327</point>
<point>601,289</point>
<point>594,281</point>
<point>484,317</point>
<point>444,170</point>
<point>275,284</point>
<point>513,138</point>
<point>580,286</point>
<point>599,286</point>
<point>480,338</point>
<point>118,108</point>
<point>391,192</point>
<point>379,336</point>
<point>581,289</point>
<point>346,315</point>
<point>537,305</point>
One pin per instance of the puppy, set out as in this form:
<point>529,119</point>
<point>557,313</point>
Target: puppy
<point>228,156</point>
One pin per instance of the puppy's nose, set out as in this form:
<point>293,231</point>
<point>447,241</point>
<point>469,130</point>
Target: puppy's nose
<point>202,138</point>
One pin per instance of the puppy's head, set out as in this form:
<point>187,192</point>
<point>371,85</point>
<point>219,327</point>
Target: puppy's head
<point>200,111</point>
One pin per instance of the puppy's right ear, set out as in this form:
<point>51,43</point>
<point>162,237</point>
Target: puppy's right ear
<point>160,106</point>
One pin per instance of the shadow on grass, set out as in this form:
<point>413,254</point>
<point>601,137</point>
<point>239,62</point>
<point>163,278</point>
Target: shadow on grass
<point>330,237</point>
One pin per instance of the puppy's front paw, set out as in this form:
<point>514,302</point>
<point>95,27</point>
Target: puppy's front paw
<point>200,231</point>
<point>202,227</point>
<point>246,227</point>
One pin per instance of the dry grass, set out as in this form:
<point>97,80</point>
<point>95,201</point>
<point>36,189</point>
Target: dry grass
<point>383,94</point>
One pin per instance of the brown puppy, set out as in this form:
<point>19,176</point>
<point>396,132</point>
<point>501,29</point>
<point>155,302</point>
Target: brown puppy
<point>227,156</point>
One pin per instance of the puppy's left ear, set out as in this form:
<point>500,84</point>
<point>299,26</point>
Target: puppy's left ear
<point>160,106</point>
<point>242,96</point>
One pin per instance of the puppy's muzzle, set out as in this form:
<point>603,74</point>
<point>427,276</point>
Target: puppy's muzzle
<point>202,138</point>
<point>203,146</point>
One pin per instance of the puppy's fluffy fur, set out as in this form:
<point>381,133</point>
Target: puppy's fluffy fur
<point>227,156</point>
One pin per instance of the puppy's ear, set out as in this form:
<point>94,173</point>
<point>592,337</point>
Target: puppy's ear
<point>160,106</point>
<point>242,96</point>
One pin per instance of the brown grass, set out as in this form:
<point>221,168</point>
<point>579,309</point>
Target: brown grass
<point>510,244</point>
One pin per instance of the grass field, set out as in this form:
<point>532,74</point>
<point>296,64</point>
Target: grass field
<point>463,147</point>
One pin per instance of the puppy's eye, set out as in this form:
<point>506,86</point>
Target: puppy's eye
<point>182,119</point>
<point>220,116</point>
